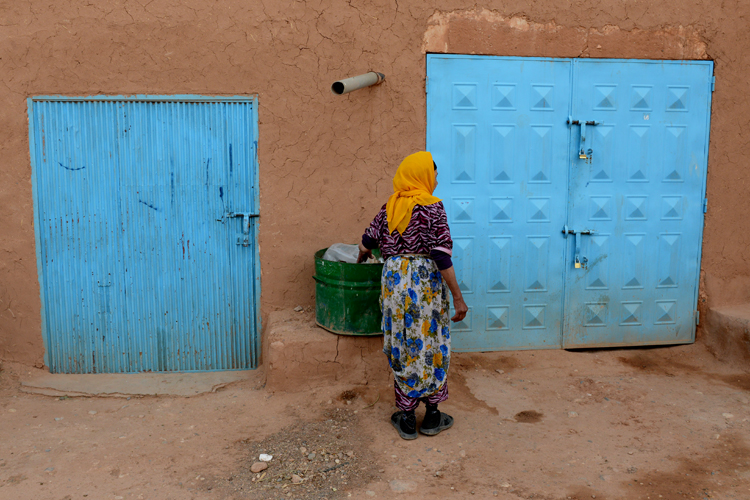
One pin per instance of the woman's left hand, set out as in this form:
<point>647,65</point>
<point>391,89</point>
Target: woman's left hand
<point>364,254</point>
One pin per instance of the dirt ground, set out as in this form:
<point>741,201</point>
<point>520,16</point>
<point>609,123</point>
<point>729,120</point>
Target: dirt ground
<point>667,423</point>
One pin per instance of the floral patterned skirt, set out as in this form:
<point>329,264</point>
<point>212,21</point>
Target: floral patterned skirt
<point>417,341</point>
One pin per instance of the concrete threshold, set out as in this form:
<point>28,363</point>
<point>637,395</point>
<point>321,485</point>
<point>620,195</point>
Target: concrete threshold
<point>125,385</point>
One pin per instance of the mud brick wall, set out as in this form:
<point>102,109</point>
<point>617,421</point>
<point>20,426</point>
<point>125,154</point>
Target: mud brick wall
<point>326,161</point>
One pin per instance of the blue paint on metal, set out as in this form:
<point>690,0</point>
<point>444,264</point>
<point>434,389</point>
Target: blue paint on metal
<point>496,128</point>
<point>166,289</point>
<point>70,168</point>
<point>148,205</point>
<point>615,150</point>
<point>642,195</point>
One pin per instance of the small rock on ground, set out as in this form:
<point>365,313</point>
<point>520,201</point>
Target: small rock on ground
<point>258,467</point>
<point>400,486</point>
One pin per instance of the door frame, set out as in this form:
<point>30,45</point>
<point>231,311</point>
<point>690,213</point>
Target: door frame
<point>256,287</point>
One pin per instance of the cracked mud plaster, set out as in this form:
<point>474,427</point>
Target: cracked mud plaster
<point>491,33</point>
<point>326,161</point>
<point>301,356</point>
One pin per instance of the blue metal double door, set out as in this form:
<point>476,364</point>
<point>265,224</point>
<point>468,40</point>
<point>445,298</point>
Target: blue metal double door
<point>575,193</point>
<point>146,240</point>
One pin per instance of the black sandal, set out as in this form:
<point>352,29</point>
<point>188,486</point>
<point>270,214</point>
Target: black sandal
<point>405,423</point>
<point>443,422</point>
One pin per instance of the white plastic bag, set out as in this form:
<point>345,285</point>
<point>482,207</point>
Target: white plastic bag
<point>341,252</point>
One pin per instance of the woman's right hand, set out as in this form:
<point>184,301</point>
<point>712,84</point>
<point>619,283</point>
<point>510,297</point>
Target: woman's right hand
<point>461,309</point>
<point>364,254</point>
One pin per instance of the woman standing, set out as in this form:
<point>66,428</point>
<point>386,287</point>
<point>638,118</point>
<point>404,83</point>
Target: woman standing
<point>414,239</point>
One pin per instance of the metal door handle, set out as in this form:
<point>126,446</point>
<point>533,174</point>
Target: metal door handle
<point>244,239</point>
<point>583,153</point>
<point>579,262</point>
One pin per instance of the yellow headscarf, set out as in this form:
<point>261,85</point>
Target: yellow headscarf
<point>413,185</point>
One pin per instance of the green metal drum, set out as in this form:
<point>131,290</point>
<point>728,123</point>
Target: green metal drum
<point>347,296</point>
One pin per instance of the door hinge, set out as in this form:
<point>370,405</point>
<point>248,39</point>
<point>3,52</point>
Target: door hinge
<point>705,205</point>
<point>713,83</point>
<point>697,317</point>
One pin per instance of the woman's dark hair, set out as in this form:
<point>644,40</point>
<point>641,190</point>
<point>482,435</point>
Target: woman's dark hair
<point>434,164</point>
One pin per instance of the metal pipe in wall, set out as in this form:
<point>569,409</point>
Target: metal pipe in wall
<point>357,82</point>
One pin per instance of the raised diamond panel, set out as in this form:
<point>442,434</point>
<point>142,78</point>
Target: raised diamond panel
<point>601,166</point>
<point>465,324</point>
<point>669,260</point>
<point>600,208</point>
<point>596,314</point>
<point>636,207</point>
<point>605,97</point>
<point>504,97</point>
<point>464,152</point>
<point>540,154</point>
<point>666,312</point>
<point>462,210</point>
<point>640,97</point>
<point>631,313</point>
<point>464,96</point>
<point>671,208</point>
<point>499,265</point>
<point>501,210</point>
<point>638,153</point>
<point>497,317</point>
<point>463,260</point>
<point>675,142</point>
<point>533,316</point>
<point>677,98</point>
<point>597,251</point>
<point>537,263</point>
<point>632,261</point>
<point>541,97</point>
<point>538,209</point>
<point>504,156</point>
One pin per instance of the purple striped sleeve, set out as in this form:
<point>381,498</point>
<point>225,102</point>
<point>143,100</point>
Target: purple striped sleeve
<point>371,238</point>
<point>441,244</point>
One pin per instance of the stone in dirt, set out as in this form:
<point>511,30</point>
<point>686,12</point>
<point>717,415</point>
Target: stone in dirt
<point>296,479</point>
<point>311,456</point>
<point>400,486</point>
<point>258,467</point>
<point>299,309</point>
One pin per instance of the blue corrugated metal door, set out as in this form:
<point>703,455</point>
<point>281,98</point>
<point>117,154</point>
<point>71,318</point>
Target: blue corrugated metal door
<point>146,235</point>
<point>639,192</point>
<point>548,161</point>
